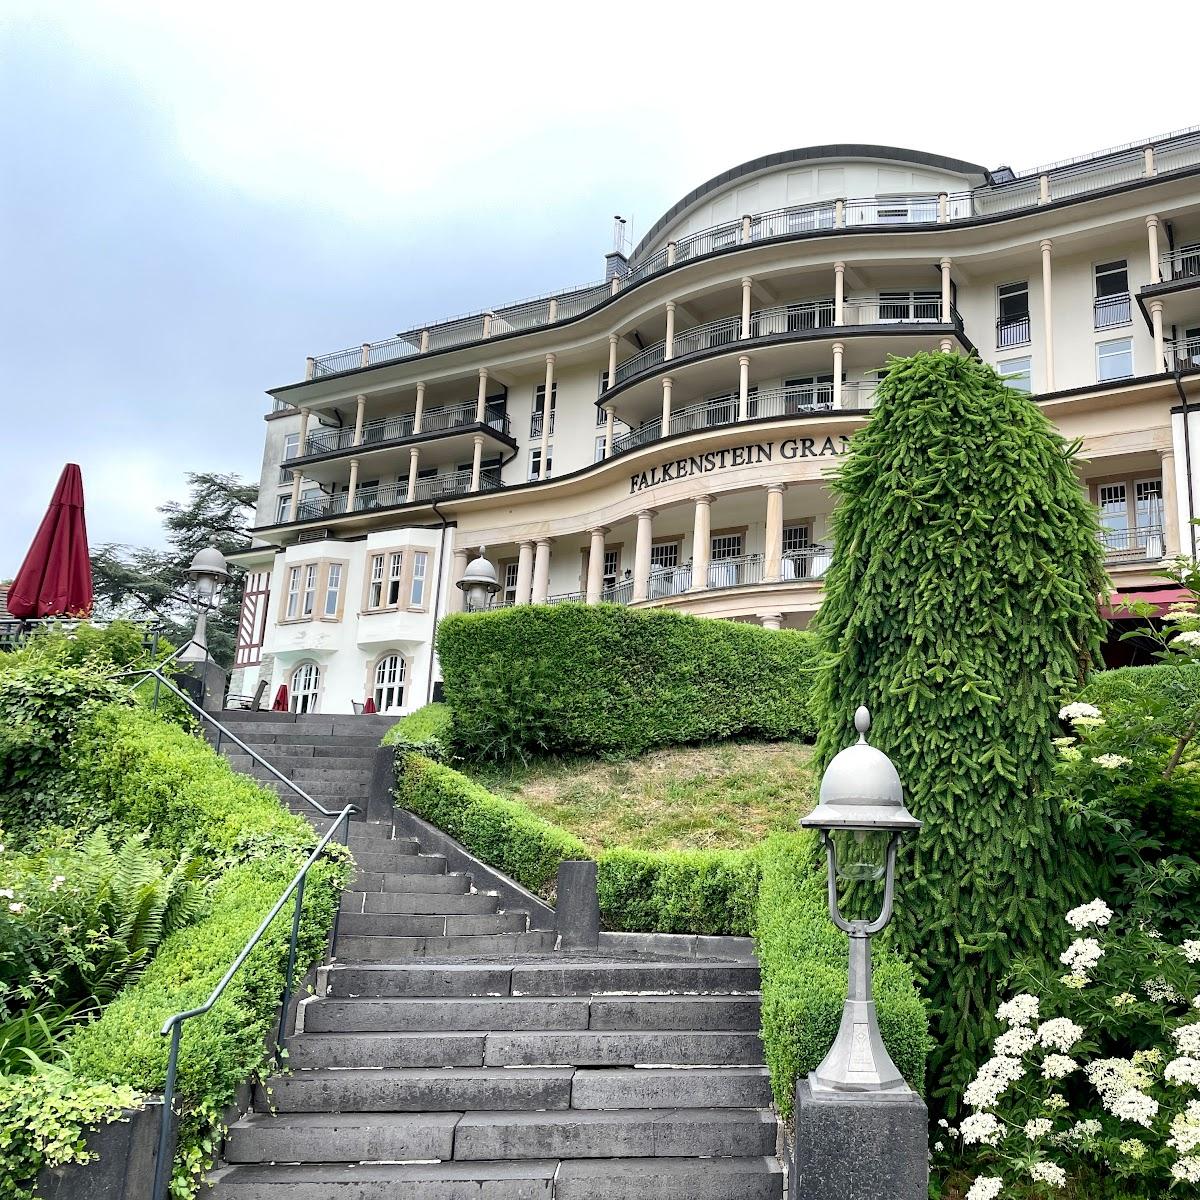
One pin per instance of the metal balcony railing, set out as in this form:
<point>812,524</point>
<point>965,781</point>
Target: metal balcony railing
<point>736,571</point>
<point>1091,173</point>
<point>403,425</point>
<point>1012,331</point>
<point>809,562</point>
<point>651,431</point>
<point>1183,263</point>
<point>389,495</point>
<point>1111,311</point>
<point>1182,354</point>
<point>618,593</point>
<point>567,598</point>
<point>1133,545</point>
<point>669,581</point>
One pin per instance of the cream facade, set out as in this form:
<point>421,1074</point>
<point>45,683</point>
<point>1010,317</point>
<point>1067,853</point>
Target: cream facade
<point>664,438</point>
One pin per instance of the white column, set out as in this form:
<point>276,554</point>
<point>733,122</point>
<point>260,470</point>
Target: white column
<point>296,476</point>
<point>458,598</point>
<point>310,368</point>
<point>747,285</point>
<point>670,254</point>
<point>772,620</point>
<point>1148,157</point>
<point>1156,324</point>
<point>1043,189</point>
<point>746,225</point>
<point>773,560</point>
<point>839,214</point>
<point>364,357</point>
<point>476,461</point>
<point>943,207</point>
<point>610,421</point>
<point>481,396</point>
<point>945,266</point>
<point>419,412</point>
<point>1152,240</point>
<point>541,571</point>
<point>1170,505</point>
<point>743,387</point>
<point>701,543</point>
<point>668,383</point>
<point>641,554</point>
<point>524,572</point>
<point>838,351</point>
<point>546,415</point>
<point>359,414</point>
<point>612,361</point>
<point>352,490</point>
<point>839,293</point>
<point>487,324</point>
<point>669,344</point>
<point>552,311</point>
<point>414,459</point>
<point>424,341</point>
<point>945,345</point>
<point>1048,312</point>
<point>595,569</point>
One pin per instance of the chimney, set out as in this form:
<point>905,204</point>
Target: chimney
<point>616,261</point>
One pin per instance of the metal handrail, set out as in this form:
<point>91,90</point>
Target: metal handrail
<point>1182,263</point>
<point>174,1025</point>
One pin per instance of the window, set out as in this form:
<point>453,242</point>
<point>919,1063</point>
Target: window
<point>510,572</point>
<point>375,590</point>
<point>796,538</point>
<point>333,589</point>
<point>1021,371</point>
<point>603,389</point>
<point>389,683</point>
<point>310,589</point>
<point>539,402</point>
<point>283,508</point>
<point>1114,360</point>
<point>416,595</point>
<point>293,600</point>
<point>601,447</point>
<point>306,683</point>
<point>902,211</point>
<point>726,545</point>
<point>1012,325</point>
<point>612,565</point>
<point>1148,505</point>
<point>535,462</point>
<point>811,391</point>
<point>664,554</point>
<point>1112,306</point>
<point>1132,531</point>
<point>797,552</point>
<point>291,448</point>
<point>395,566</point>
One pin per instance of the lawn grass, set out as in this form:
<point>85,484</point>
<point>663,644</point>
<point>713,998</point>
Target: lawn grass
<point>722,796</point>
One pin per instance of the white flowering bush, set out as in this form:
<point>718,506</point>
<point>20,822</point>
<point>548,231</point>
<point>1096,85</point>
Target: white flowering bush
<point>1093,1086</point>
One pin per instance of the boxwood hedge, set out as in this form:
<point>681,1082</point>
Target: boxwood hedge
<point>603,679</point>
<point>1171,691</point>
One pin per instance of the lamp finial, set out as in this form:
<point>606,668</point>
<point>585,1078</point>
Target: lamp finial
<point>862,721</point>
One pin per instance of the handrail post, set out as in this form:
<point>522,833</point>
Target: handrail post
<point>281,1040</point>
<point>162,1173</point>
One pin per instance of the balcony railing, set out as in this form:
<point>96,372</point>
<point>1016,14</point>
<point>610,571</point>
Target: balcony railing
<point>736,571</point>
<point>1091,173</point>
<point>1133,545</point>
<point>1111,311</point>
<point>809,562</point>
<point>1012,331</point>
<point>567,598</point>
<point>620,592</point>
<point>388,495</point>
<point>1182,354</point>
<point>403,425</point>
<point>1183,263</point>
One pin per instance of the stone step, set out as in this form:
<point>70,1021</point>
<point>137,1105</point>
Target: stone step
<point>375,882</point>
<point>575,979</point>
<point>319,789</point>
<point>419,902</point>
<point>346,743</point>
<point>623,1133</point>
<point>538,1179</point>
<point>396,862</point>
<point>380,841</point>
<point>530,1048</point>
<point>622,1048</point>
<point>431,925</point>
<point>729,1013</point>
<point>345,777</point>
<point>671,1087</point>
<point>358,948</point>
<point>298,758</point>
<point>345,1137</point>
<point>437,1014</point>
<point>419,979</point>
<point>416,1090</point>
<point>258,723</point>
<point>665,1179</point>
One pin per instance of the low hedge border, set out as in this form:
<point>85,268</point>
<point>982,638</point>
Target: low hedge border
<point>775,891</point>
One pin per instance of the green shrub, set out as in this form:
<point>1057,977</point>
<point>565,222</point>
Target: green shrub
<point>803,959</point>
<point>960,604</point>
<point>670,892</point>
<point>426,731</point>
<point>1168,693</point>
<point>603,679</point>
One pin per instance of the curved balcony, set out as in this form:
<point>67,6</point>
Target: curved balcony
<point>1071,180</point>
<point>393,495</point>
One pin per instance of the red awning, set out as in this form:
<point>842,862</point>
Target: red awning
<point>1161,598</point>
<point>55,580</point>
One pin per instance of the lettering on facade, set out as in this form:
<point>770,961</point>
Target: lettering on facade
<point>751,455</point>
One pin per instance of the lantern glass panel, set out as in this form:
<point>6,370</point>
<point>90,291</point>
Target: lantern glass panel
<point>861,854</point>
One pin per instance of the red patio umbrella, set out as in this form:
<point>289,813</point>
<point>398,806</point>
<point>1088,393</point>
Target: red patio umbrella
<point>55,580</point>
<point>281,699</point>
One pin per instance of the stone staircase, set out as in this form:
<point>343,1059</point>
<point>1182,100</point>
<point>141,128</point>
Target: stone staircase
<point>452,1053</point>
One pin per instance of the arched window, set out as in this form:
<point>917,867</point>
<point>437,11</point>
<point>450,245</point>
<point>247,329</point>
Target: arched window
<point>306,683</point>
<point>389,683</point>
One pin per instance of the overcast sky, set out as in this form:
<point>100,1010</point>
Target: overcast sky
<point>195,196</point>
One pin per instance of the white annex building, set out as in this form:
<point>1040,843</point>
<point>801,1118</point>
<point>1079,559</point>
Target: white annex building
<point>662,438</point>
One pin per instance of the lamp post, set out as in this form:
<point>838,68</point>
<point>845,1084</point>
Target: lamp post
<point>479,583</point>
<point>208,574</point>
<point>861,816</point>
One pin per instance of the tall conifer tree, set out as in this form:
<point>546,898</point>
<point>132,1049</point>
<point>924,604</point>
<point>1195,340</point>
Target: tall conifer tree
<point>961,602</point>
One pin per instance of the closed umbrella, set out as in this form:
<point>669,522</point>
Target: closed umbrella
<point>55,580</point>
<point>281,699</point>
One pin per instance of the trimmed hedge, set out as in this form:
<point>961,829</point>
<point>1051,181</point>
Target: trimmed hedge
<point>607,680</point>
<point>640,891</point>
<point>427,731</point>
<point>802,957</point>
<point>1170,690</point>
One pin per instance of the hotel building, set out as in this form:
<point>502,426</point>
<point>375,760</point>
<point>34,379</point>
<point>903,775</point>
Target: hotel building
<point>662,438</point>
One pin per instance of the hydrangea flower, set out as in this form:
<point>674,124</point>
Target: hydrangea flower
<point>986,1187</point>
<point>1133,1106</point>
<point>1059,1034</point>
<point>1189,638</point>
<point>991,1080</point>
<point>1082,955</point>
<point>1097,913</point>
<point>1185,1130</point>
<point>1187,1169</point>
<point>1038,1128</point>
<point>1072,712</point>
<point>1187,1038</point>
<point>1050,1173</point>
<point>1190,949</point>
<point>1110,762</point>
<point>1020,1010</point>
<point>1016,1041</point>
<point>1057,1066</point>
<point>981,1127</point>
<point>1113,1076</point>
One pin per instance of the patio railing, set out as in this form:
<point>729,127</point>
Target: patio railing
<point>1133,545</point>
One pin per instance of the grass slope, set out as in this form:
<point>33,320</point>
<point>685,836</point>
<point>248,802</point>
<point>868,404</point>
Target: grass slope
<point>724,796</point>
